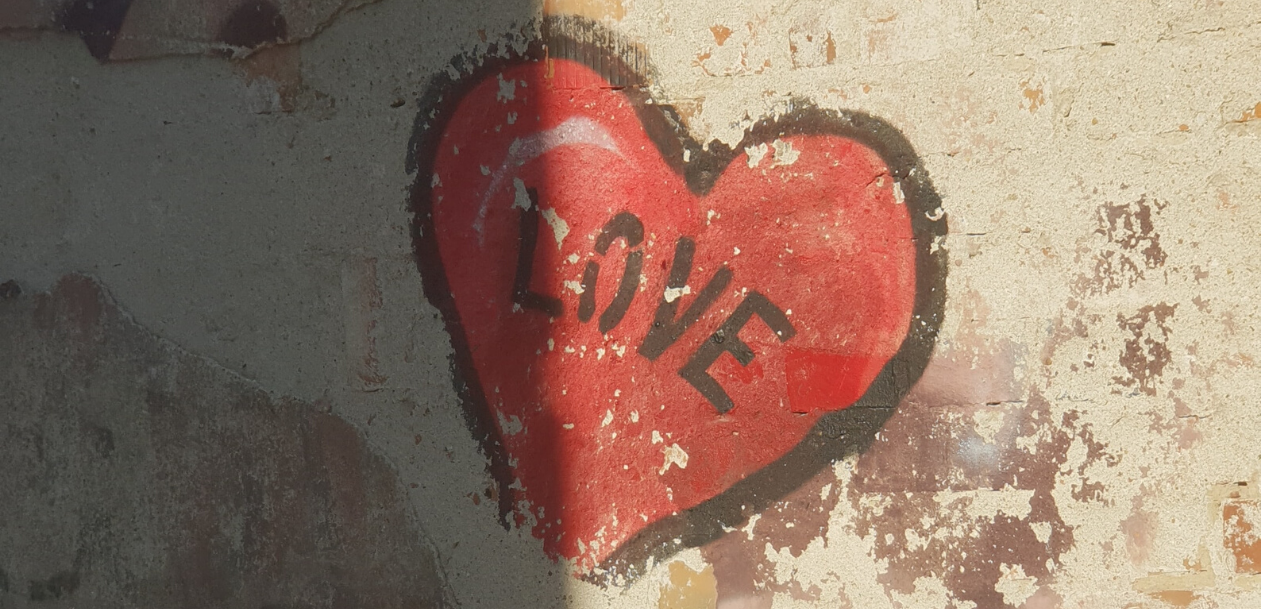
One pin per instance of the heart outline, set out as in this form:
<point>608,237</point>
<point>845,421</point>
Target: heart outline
<point>835,435</point>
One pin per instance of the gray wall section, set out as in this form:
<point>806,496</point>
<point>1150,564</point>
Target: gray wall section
<point>274,245</point>
<point>139,475</point>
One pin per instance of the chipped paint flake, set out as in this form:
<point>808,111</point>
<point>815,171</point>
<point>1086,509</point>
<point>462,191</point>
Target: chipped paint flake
<point>574,286</point>
<point>756,154</point>
<point>784,154</point>
<point>560,228</point>
<point>673,456</point>
<point>521,198</point>
<point>1041,531</point>
<point>1014,585</point>
<point>673,294</point>
<point>507,89</point>
<point>510,425</point>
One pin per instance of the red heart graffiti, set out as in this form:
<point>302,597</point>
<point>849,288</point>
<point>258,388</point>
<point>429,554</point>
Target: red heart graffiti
<point>638,332</point>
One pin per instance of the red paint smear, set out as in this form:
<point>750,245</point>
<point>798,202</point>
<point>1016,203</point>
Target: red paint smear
<point>822,237</point>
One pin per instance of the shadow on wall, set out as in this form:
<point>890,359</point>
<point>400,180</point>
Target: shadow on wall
<point>152,477</point>
<point>140,475</point>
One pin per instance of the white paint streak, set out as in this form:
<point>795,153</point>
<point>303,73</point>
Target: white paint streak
<point>573,132</point>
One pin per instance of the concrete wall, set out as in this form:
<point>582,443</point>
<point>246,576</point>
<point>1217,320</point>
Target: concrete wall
<point>282,323</point>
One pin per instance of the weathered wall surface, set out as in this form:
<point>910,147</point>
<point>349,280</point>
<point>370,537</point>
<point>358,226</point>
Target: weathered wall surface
<point>248,358</point>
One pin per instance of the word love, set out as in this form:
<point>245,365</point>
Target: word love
<point>668,325</point>
<point>616,462</point>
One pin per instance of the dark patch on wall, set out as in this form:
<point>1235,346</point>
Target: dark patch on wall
<point>1239,534</point>
<point>101,440</point>
<point>1146,351</point>
<point>1131,249</point>
<point>254,23</point>
<point>10,289</point>
<point>935,445</point>
<point>97,22</point>
<point>140,475</point>
<point>55,587</point>
<point>746,577</point>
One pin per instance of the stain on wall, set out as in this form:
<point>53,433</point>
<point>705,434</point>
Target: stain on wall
<point>138,474</point>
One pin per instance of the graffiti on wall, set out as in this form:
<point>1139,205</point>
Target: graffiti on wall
<point>655,338</point>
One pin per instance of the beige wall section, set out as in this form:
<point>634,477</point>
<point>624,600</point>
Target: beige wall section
<point>1086,436</point>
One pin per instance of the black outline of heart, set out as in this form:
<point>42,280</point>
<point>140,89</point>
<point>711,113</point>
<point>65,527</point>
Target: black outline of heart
<point>837,434</point>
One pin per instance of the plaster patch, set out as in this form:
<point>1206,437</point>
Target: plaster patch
<point>560,228</point>
<point>521,197</point>
<point>784,154</point>
<point>507,89</point>
<point>756,154</point>
<point>673,456</point>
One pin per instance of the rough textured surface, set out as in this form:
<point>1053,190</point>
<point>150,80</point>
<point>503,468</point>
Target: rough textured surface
<point>1085,435</point>
<point>140,475</point>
